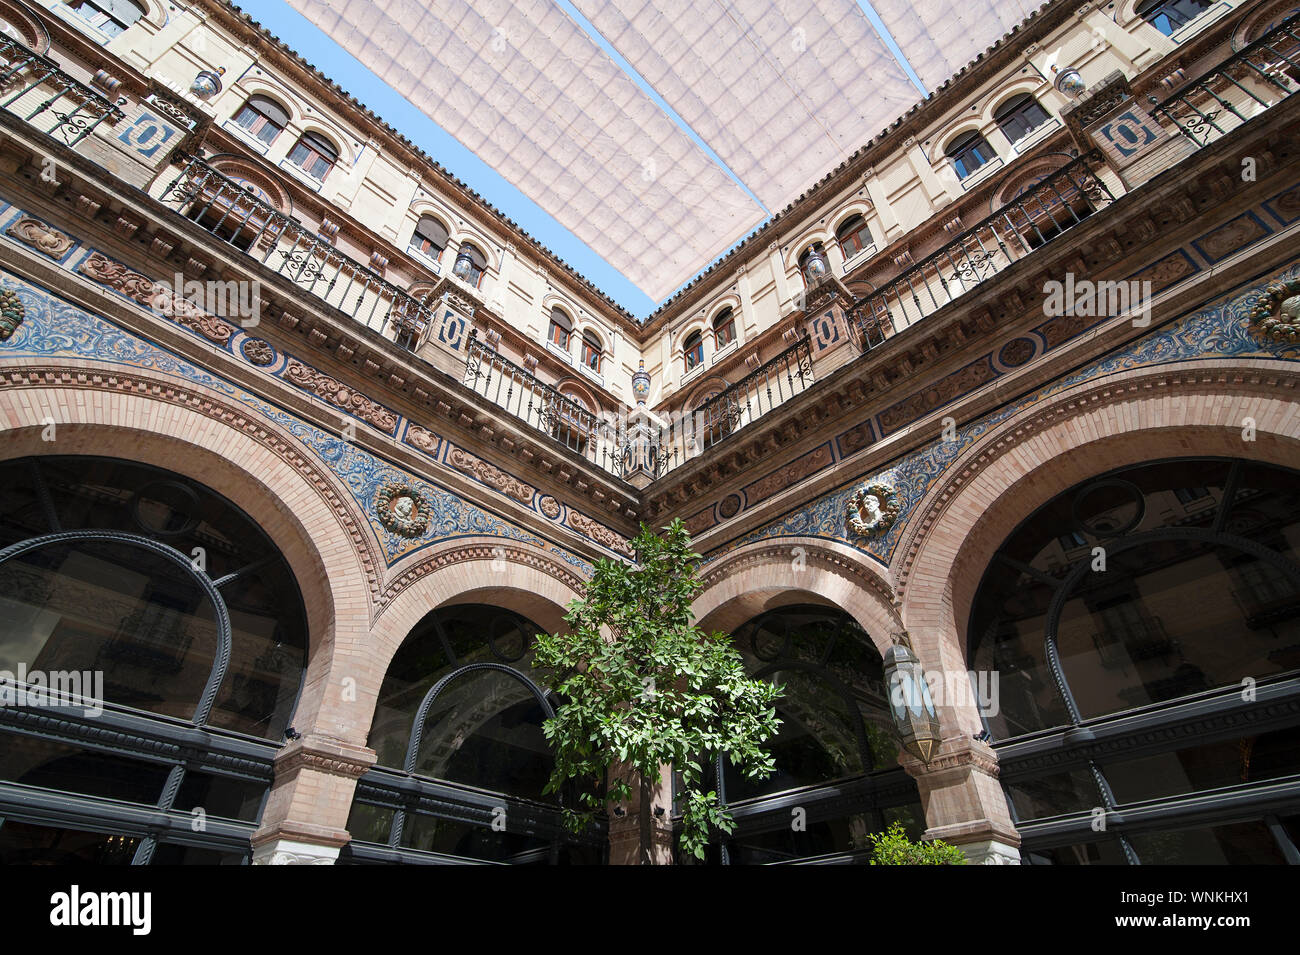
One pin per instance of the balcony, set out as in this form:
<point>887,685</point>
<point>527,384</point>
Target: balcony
<point>37,89</point>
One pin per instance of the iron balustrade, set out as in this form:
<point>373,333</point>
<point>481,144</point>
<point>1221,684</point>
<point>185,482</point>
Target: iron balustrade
<point>517,391</point>
<point>1238,89</point>
<point>235,214</point>
<point>37,89</point>
<point>769,386</point>
<point>1057,202</point>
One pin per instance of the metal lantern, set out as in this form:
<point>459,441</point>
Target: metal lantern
<point>915,719</point>
<point>207,84</point>
<point>641,384</point>
<point>1069,82</point>
<point>816,266</point>
<point>464,263</point>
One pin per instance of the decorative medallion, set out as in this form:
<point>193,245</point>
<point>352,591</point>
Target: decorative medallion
<point>41,236</point>
<point>402,510</point>
<point>1016,352</point>
<point>12,311</point>
<point>1276,315</point>
<point>730,506</point>
<point>549,506</point>
<point>258,351</point>
<point>872,509</point>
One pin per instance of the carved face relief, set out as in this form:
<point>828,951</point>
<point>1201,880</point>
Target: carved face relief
<point>1276,315</point>
<point>872,510</point>
<point>402,510</point>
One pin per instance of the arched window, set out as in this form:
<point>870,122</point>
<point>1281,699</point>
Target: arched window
<point>169,611</point>
<point>1019,116</point>
<point>836,737</point>
<point>263,118</point>
<point>1170,16</point>
<point>110,17</point>
<point>693,350</point>
<point>1116,605</point>
<point>969,152</point>
<point>853,235</point>
<point>560,330</point>
<point>430,237</point>
<point>593,353</point>
<point>315,155</point>
<point>724,328</point>
<point>460,713</point>
<point>470,265</point>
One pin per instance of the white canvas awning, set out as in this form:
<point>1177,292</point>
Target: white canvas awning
<point>780,92</point>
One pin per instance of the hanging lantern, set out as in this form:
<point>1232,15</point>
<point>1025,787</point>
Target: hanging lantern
<point>915,719</point>
<point>641,384</point>
<point>464,264</point>
<point>1069,81</point>
<point>207,84</point>
<point>816,265</point>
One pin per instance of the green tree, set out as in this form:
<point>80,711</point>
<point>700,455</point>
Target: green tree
<point>892,847</point>
<point>642,686</point>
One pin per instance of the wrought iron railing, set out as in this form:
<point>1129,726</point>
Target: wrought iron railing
<point>769,386</point>
<point>1057,202</point>
<point>36,88</point>
<point>233,213</point>
<point>1238,89</point>
<point>523,395</point>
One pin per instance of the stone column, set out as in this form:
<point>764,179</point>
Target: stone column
<point>305,822</point>
<point>638,834</point>
<point>963,801</point>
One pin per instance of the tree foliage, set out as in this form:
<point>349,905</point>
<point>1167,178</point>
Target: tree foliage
<point>892,847</point>
<point>642,686</point>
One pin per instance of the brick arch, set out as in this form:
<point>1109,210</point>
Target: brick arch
<point>759,577</point>
<point>1186,409</point>
<point>242,170</point>
<point>27,24</point>
<point>242,457</point>
<point>1018,180</point>
<point>1255,23</point>
<point>534,582</point>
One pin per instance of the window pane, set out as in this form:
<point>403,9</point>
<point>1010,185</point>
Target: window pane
<point>25,844</point>
<point>1246,843</point>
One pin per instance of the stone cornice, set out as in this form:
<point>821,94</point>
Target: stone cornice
<point>323,755</point>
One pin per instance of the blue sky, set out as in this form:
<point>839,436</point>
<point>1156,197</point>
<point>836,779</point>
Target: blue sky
<point>318,49</point>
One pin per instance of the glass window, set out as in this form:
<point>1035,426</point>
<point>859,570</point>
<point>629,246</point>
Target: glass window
<point>853,235</point>
<point>1245,843</point>
<point>1019,116</point>
<point>592,352</point>
<point>561,328</point>
<point>430,237</point>
<point>1170,16</point>
<point>693,350</point>
<point>263,117</point>
<point>314,155</point>
<point>724,328</point>
<point>470,265</point>
<point>111,17</point>
<point>968,153</point>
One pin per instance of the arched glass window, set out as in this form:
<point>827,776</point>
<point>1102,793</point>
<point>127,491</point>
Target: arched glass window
<point>836,740</point>
<point>693,350</point>
<point>593,353</point>
<point>315,155</point>
<point>724,328</point>
<point>1114,607</point>
<point>1019,116</point>
<point>459,711</point>
<point>813,264</point>
<point>969,152</point>
<point>1170,16</point>
<point>110,17</point>
<point>263,118</point>
<point>853,236</point>
<point>430,237</point>
<point>470,265</point>
<point>153,604</point>
<point>561,328</point>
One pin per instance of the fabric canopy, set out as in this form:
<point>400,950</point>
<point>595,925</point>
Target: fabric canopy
<point>780,92</point>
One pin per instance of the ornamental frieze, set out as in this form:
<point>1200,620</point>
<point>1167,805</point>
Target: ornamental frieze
<point>598,532</point>
<point>156,297</point>
<point>340,395</point>
<point>476,467</point>
<point>41,236</point>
